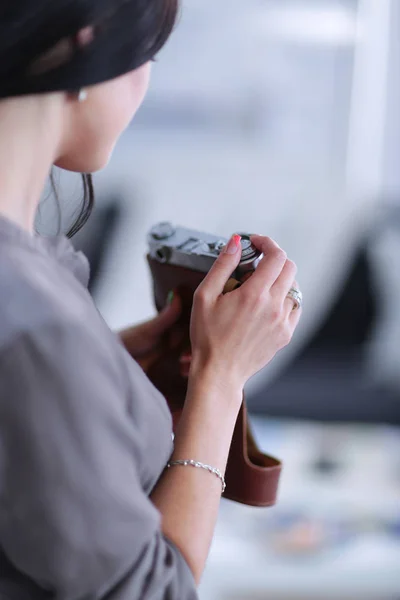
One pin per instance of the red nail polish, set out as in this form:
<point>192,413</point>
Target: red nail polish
<point>233,245</point>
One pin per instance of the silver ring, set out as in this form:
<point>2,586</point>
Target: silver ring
<point>297,298</point>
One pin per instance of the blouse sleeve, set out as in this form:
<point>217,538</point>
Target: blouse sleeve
<point>73,516</point>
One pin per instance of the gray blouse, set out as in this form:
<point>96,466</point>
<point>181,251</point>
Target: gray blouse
<point>84,437</point>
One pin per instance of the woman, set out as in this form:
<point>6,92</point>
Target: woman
<point>88,508</point>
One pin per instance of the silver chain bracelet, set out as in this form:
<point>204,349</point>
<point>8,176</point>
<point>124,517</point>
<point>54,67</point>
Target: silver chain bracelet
<point>199,465</point>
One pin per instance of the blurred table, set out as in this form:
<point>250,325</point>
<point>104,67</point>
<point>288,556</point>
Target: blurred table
<point>335,533</point>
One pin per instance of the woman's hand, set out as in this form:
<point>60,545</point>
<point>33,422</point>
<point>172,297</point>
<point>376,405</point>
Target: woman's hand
<point>235,335</point>
<point>144,341</point>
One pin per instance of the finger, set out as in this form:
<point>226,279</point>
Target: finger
<point>285,281</point>
<point>185,362</point>
<point>185,371</point>
<point>289,306</point>
<point>270,267</point>
<point>294,317</point>
<point>168,316</point>
<point>186,357</point>
<point>222,269</point>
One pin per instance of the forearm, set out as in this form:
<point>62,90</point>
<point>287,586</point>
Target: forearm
<point>189,498</point>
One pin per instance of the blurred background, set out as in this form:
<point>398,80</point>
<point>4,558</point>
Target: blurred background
<point>283,117</point>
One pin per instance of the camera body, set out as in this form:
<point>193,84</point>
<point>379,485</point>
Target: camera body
<point>180,258</point>
<point>197,251</point>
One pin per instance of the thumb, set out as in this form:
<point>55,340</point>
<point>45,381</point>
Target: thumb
<point>168,316</point>
<point>223,267</point>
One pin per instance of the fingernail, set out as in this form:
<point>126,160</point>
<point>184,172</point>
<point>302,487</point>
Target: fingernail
<point>186,357</point>
<point>170,297</point>
<point>233,245</point>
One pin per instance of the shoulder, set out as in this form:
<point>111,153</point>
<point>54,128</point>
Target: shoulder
<point>35,292</point>
<point>50,330</point>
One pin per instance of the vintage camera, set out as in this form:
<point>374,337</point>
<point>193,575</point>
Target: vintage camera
<point>196,251</point>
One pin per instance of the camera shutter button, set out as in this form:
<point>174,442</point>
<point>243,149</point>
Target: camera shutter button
<point>162,231</point>
<point>248,250</point>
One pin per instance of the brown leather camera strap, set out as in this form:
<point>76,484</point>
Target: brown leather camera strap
<point>252,477</point>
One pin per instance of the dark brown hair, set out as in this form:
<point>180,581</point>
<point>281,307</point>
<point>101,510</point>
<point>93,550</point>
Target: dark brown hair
<point>39,53</point>
<point>86,207</point>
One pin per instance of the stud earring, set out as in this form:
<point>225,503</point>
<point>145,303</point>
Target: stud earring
<point>82,95</point>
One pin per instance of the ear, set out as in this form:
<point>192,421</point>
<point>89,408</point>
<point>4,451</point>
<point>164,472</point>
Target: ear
<point>85,36</point>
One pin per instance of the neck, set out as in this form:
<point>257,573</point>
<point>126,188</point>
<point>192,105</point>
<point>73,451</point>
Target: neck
<point>29,145</point>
